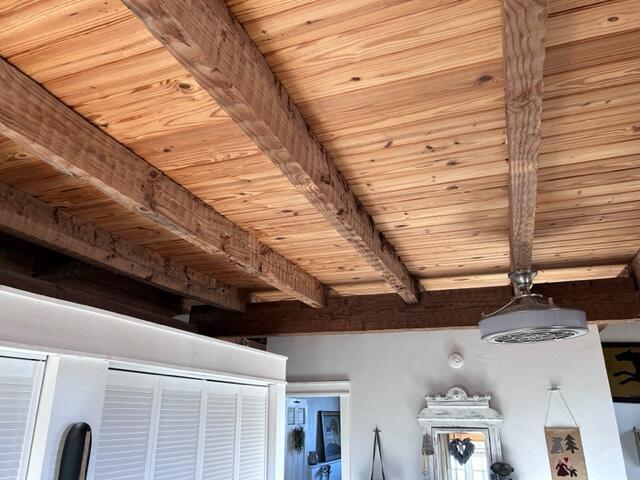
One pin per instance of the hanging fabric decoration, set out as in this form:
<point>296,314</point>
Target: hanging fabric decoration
<point>461,450</point>
<point>564,446</point>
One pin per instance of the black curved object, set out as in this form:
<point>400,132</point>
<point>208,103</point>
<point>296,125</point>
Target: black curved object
<point>76,452</point>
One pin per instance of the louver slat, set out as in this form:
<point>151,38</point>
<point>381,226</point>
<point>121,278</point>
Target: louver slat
<point>177,444</point>
<point>253,436</point>
<point>18,393</point>
<point>220,436</point>
<point>124,433</point>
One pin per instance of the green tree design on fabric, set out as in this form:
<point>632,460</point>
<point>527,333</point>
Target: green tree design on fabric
<point>570,444</point>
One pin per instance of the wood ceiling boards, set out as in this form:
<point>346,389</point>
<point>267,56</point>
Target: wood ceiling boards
<point>408,99</point>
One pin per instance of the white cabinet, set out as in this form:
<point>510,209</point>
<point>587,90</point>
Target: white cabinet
<point>166,428</point>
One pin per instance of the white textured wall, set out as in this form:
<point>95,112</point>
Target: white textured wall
<point>390,374</point>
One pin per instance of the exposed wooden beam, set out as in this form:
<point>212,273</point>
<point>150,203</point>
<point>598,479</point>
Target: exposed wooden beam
<point>609,300</point>
<point>45,127</point>
<point>26,217</point>
<point>19,260</point>
<point>212,45</point>
<point>574,272</point>
<point>523,42</point>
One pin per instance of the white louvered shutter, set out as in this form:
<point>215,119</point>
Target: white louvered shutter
<point>220,432</point>
<point>252,453</point>
<point>20,383</point>
<point>123,446</point>
<point>157,427</point>
<point>176,452</point>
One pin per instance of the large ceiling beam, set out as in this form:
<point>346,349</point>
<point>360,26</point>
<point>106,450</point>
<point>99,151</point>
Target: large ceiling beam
<point>45,127</point>
<point>212,45</point>
<point>26,217</point>
<point>605,301</point>
<point>523,42</point>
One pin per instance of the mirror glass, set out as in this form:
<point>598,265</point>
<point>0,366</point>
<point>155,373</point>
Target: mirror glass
<point>463,454</point>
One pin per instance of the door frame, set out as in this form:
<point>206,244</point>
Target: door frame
<point>340,389</point>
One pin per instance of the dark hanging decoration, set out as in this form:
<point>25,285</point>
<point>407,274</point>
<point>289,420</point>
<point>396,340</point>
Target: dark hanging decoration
<point>298,439</point>
<point>461,450</point>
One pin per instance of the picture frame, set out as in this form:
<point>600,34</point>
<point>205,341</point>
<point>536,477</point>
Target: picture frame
<point>622,361</point>
<point>329,435</point>
<point>301,415</point>
<point>291,416</point>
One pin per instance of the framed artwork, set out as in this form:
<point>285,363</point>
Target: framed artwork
<point>623,370</point>
<point>566,457</point>
<point>301,416</point>
<point>291,416</point>
<point>329,435</point>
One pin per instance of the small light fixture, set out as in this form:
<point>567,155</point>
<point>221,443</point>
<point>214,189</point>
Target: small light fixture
<point>527,319</point>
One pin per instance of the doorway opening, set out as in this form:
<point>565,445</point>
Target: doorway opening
<point>317,431</point>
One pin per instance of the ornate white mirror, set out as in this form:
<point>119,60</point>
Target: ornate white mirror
<point>461,436</point>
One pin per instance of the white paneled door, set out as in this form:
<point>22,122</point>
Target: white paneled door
<point>123,446</point>
<point>20,383</point>
<point>176,452</point>
<point>253,439</point>
<point>159,428</point>
<point>220,440</point>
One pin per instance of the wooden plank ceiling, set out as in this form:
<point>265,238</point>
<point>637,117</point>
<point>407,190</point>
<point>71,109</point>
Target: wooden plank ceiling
<point>407,98</point>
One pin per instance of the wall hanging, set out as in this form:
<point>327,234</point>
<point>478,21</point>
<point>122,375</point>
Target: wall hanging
<point>623,370</point>
<point>564,445</point>
<point>329,438</point>
<point>298,439</point>
<point>291,416</point>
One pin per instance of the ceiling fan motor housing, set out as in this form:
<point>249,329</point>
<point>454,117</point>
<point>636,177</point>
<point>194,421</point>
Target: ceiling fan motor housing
<point>526,319</point>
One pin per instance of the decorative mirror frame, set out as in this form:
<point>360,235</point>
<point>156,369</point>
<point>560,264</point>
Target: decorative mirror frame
<point>458,411</point>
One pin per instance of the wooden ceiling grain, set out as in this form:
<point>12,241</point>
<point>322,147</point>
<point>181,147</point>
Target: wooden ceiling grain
<point>408,99</point>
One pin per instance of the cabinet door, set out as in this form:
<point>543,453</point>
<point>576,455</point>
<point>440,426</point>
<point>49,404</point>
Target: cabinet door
<point>20,383</point>
<point>176,451</point>
<point>221,436</point>
<point>122,450</point>
<point>166,428</point>
<point>252,457</point>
